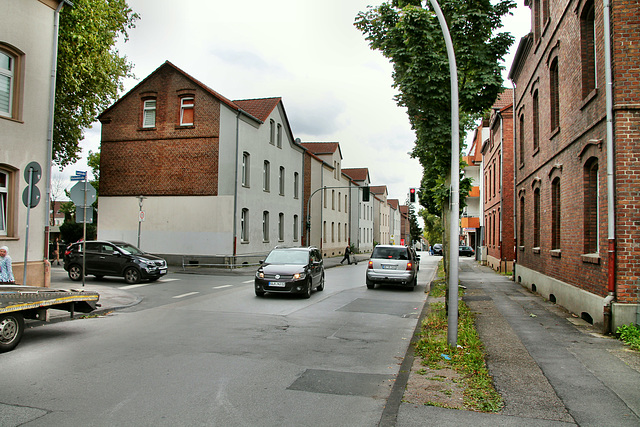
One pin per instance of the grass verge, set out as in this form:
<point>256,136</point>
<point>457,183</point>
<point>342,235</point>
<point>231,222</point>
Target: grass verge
<point>467,359</point>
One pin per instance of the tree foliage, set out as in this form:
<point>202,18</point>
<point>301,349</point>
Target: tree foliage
<point>433,227</point>
<point>90,69</point>
<point>411,37</point>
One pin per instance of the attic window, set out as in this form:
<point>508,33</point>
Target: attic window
<point>186,111</point>
<point>149,113</point>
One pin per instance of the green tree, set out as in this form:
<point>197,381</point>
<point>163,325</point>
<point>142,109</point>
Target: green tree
<point>90,69</point>
<point>93,161</point>
<point>433,229</point>
<point>411,37</point>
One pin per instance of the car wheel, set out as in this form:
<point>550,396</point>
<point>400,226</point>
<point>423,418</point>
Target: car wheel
<point>11,330</point>
<point>132,276</point>
<point>307,291</point>
<point>75,273</point>
<point>321,285</point>
<point>370,284</point>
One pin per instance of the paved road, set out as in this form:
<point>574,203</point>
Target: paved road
<point>203,350</point>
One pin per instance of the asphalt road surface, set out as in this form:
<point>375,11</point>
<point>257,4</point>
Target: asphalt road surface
<point>204,350</point>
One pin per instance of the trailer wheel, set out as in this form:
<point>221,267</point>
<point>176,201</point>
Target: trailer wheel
<point>11,330</point>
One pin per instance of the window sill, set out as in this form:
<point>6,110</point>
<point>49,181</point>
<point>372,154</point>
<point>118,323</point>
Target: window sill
<point>536,250</point>
<point>556,253</point>
<point>535,151</point>
<point>185,127</point>
<point>591,258</point>
<point>11,119</point>
<point>554,132</point>
<point>587,99</point>
<point>521,248</point>
<point>244,242</point>
<point>147,129</point>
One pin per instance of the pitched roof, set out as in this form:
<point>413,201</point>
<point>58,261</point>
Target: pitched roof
<point>321,147</point>
<point>357,174</point>
<point>378,189</point>
<point>259,108</point>
<point>505,99</point>
<point>394,203</point>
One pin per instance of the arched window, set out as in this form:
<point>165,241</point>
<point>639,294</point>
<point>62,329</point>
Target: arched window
<point>554,94</point>
<point>555,214</point>
<point>265,226</point>
<point>244,225</point>
<point>588,48</point>
<point>591,216</point>
<point>536,218</point>
<point>266,175</point>
<point>246,167</point>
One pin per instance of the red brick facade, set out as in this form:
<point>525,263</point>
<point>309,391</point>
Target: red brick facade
<point>167,159</point>
<point>565,236</point>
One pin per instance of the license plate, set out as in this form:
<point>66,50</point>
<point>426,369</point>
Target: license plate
<point>163,271</point>
<point>388,267</point>
<point>277,284</point>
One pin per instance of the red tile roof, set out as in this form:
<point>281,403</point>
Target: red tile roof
<point>378,189</point>
<point>259,108</point>
<point>505,99</point>
<point>394,203</point>
<point>321,147</point>
<point>357,174</point>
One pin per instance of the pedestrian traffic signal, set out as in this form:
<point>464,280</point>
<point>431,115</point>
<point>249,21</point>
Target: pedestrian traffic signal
<point>412,195</point>
<point>365,193</point>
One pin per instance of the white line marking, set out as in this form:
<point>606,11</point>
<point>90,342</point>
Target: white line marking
<point>248,281</point>
<point>167,280</point>
<point>139,285</point>
<point>186,295</point>
<point>223,286</point>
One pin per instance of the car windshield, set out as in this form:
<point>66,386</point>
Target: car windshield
<point>390,253</point>
<point>288,257</point>
<point>130,249</point>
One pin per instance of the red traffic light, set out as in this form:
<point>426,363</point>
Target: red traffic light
<point>412,195</point>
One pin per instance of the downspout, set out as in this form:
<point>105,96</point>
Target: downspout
<point>52,106</point>
<point>501,189</point>
<point>515,181</point>
<point>611,225</point>
<point>235,189</point>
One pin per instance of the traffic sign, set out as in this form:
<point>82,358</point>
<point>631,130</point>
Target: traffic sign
<point>77,194</point>
<point>80,214</point>
<point>79,176</point>
<point>35,197</point>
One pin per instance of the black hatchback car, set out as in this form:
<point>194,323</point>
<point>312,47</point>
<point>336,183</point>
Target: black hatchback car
<point>113,258</point>
<point>291,271</point>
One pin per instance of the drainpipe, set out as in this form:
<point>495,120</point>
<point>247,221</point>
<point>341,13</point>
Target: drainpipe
<point>611,225</point>
<point>52,105</point>
<point>501,190</point>
<point>515,181</point>
<point>235,189</point>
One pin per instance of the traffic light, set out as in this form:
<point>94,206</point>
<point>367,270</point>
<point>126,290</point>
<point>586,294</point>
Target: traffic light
<point>365,193</point>
<point>412,195</point>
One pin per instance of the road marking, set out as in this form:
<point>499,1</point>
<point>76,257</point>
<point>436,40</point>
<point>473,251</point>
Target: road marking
<point>223,286</point>
<point>186,295</point>
<point>167,280</point>
<point>248,281</point>
<point>139,285</point>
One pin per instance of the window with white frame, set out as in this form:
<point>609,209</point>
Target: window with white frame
<point>246,163</point>
<point>244,225</point>
<point>281,227</point>
<point>149,113</point>
<point>186,111</point>
<point>272,132</point>
<point>266,175</point>
<point>279,136</point>
<point>281,181</point>
<point>296,183</point>
<point>265,226</point>
<point>4,202</point>
<point>7,83</point>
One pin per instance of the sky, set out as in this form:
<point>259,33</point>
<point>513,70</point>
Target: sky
<point>333,86</point>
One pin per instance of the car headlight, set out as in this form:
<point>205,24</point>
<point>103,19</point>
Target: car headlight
<point>260,274</point>
<point>299,276</point>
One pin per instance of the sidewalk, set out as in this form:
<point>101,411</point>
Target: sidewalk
<point>550,368</point>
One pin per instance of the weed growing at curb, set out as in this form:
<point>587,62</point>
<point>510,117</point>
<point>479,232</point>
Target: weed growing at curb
<point>630,335</point>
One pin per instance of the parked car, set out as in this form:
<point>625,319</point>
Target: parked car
<point>113,258</point>
<point>437,249</point>
<point>291,271</point>
<point>466,251</point>
<point>392,264</point>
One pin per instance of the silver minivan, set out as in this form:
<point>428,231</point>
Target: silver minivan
<point>395,265</point>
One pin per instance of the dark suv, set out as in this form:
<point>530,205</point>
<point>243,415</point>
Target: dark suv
<point>291,271</point>
<point>112,258</point>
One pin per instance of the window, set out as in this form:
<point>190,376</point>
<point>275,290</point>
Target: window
<point>4,202</point>
<point>588,48</point>
<point>281,227</point>
<point>345,233</point>
<point>296,183</point>
<point>339,232</point>
<point>339,201</point>
<point>265,226</point>
<point>149,113</point>
<point>295,228</point>
<point>345,203</point>
<point>324,231</point>
<point>536,218</point>
<point>536,123</point>
<point>522,212</point>
<point>186,111</point>
<point>521,138</point>
<point>272,132</point>
<point>333,232</point>
<point>554,95</point>
<point>325,197</point>
<point>591,217</point>
<point>279,140</point>
<point>244,225</point>
<point>555,214</point>
<point>266,172</point>
<point>536,19</point>
<point>10,62</point>
<point>246,163</point>
<point>333,199</point>
<point>281,181</point>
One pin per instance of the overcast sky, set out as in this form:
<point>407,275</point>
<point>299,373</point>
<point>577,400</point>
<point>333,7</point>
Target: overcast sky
<point>333,86</point>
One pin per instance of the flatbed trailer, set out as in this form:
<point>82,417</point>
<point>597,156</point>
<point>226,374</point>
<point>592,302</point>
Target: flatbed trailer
<point>18,302</point>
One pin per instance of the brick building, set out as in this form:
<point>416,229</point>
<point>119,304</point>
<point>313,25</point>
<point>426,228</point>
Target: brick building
<point>497,160</point>
<point>577,158</point>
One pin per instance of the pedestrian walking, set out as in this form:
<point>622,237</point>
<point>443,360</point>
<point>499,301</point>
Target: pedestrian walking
<point>347,252</point>
<point>6,272</point>
<point>56,251</point>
